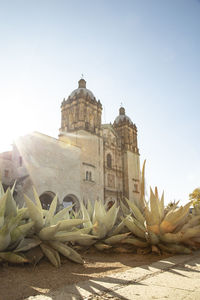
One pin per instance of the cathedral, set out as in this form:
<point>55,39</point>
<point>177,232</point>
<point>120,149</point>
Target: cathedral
<point>89,160</point>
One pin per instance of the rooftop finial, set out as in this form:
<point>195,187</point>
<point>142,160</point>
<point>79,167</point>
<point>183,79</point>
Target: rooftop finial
<point>82,83</point>
<point>122,110</point>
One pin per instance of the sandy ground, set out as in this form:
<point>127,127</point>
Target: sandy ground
<point>19,282</point>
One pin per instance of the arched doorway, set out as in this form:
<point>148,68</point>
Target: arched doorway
<point>46,198</point>
<point>70,200</point>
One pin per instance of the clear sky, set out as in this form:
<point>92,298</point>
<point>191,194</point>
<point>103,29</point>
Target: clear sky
<point>145,54</point>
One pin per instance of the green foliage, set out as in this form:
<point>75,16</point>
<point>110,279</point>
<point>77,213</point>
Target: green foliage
<point>146,225</point>
<point>13,226</point>
<point>52,230</point>
<point>103,225</point>
<point>195,195</point>
<point>173,229</point>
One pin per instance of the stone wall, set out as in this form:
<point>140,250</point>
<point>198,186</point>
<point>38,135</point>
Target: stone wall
<point>7,170</point>
<point>91,163</point>
<point>53,166</point>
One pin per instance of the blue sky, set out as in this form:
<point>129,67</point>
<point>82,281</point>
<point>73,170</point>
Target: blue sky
<point>144,54</point>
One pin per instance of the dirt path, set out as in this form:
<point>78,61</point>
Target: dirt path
<point>19,282</point>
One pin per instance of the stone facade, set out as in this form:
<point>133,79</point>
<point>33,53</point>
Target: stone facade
<point>89,160</point>
<point>110,152</point>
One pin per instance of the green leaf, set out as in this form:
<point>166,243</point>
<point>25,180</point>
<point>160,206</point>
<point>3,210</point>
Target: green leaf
<point>37,199</point>
<point>11,207</point>
<point>51,212</point>
<point>35,213</point>
<point>13,258</point>
<point>27,244</point>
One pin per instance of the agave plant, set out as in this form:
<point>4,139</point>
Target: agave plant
<point>52,231</point>
<point>174,231</point>
<point>102,224</point>
<point>13,226</point>
<point>171,205</point>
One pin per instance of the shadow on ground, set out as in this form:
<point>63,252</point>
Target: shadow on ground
<point>100,272</point>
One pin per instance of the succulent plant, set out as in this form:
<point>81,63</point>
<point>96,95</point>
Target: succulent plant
<point>174,231</point>
<point>13,226</point>
<point>102,224</point>
<point>52,231</point>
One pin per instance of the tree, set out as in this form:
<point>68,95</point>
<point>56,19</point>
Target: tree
<point>195,195</point>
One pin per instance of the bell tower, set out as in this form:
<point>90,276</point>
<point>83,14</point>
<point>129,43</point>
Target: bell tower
<point>81,127</point>
<point>81,111</point>
<point>127,132</point>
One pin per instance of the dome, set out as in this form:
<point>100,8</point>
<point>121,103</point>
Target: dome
<point>82,90</point>
<point>122,116</point>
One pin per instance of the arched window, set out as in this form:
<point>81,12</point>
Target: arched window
<point>87,175</point>
<point>90,176</point>
<point>71,200</point>
<point>109,161</point>
<point>46,198</point>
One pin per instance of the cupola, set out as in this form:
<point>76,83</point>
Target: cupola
<point>122,117</point>
<point>81,111</point>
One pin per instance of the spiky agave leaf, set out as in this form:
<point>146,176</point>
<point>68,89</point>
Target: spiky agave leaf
<point>111,217</point>
<point>136,242</point>
<point>13,188</point>
<point>86,215</point>
<point>47,233</point>
<point>124,208</point>
<point>67,251</point>
<point>99,229</point>
<point>24,212</point>
<point>5,238</point>
<point>35,213</point>
<point>131,225</point>
<point>11,207</point>
<point>51,211</point>
<point>27,244</point>
<point>1,189</point>
<point>76,236</point>
<point>61,215</point>
<point>155,207</point>
<point>136,211</point>
<point>99,212</point>
<point>101,246</point>
<point>89,209</point>
<point>13,258</point>
<point>116,238</point>
<point>142,203</point>
<point>51,254</point>
<point>37,199</point>
<point>2,209</point>
<point>119,228</point>
<point>20,231</point>
<point>173,218</point>
<point>69,224</point>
